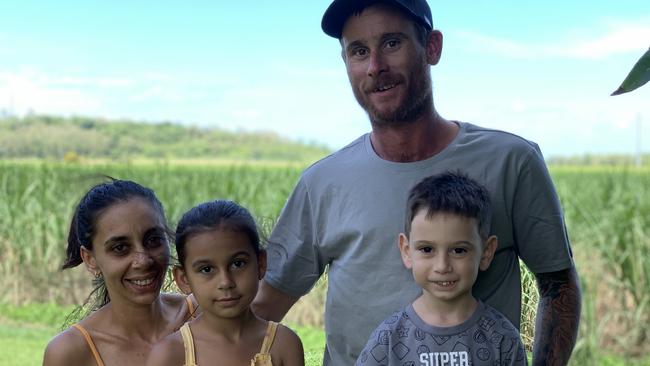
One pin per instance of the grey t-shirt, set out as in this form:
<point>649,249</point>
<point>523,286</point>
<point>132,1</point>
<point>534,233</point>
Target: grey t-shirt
<point>487,338</point>
<point>347,210</point>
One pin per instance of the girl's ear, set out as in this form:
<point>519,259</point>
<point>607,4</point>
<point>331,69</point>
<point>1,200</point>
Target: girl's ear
<point>88,258</point>
<point>261,264</point>
<point>180,277</point>
<point>405,250</point>
<point>489,248</point>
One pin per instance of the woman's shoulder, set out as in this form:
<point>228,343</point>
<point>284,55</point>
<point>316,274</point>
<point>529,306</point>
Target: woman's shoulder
<point>185,306</point>
<point>169,351</point>
<point>68,348</point>
<point>288,346</point>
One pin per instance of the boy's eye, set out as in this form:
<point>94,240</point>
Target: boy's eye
<point>459,251</point>
<point>426,250</point>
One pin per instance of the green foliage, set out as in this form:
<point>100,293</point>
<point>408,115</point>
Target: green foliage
<point>56,138</point>
<point>607,212</point>
<point>638,76</point>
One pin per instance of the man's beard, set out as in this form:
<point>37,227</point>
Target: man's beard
<point>417,101</point>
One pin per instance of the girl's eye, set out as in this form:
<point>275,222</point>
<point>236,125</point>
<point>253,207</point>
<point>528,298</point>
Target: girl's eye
<point>238,263</point>
<point>426,250</point>
<point>206,269</point>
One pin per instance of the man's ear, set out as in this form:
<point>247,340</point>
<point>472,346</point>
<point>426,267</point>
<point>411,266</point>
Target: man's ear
<point>434,47</point>
<point>88,258</point>
<point>261,264</point>
<point>489,248</point>
<point>180,277</point>
<point>405,250</point>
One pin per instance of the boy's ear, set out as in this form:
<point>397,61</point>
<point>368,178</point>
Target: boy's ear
<point>180,277</point>
<point>261,264</point>
<point>488,252</point>
<point>405,250</point>
<point>88,258</point>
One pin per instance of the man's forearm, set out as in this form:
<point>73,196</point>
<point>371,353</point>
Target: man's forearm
<point>558,317</point>
<point>272,304</point>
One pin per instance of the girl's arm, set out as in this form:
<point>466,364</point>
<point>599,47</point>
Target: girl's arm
<point>289,345</point>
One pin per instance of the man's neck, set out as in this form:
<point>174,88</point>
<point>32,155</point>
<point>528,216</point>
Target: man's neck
<point>413,141</point>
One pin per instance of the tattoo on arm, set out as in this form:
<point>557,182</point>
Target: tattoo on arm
<point>558,317</point>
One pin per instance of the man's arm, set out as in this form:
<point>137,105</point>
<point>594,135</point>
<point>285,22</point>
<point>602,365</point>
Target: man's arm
<point>271,303</point>
<point>558,317</point>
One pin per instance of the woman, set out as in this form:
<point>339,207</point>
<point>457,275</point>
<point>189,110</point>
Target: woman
<point>119,233</point>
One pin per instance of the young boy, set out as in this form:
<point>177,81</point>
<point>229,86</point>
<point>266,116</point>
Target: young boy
<point>444,244</point>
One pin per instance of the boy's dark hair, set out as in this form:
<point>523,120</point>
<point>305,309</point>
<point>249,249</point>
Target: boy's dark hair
<point>218,214</point>
<point>451,193</point>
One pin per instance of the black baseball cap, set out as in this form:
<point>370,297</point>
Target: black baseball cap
<point>340,10</point>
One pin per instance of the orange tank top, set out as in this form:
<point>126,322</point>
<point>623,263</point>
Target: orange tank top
<point>93,348</point>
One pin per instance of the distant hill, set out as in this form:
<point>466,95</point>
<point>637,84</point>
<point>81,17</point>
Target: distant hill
<point>51,137</point>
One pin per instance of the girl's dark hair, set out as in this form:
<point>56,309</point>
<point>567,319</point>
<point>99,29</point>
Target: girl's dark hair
<point>83,225</point>
<point>218,214</point>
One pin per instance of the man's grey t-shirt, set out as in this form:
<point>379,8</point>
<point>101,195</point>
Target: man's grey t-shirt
<point>487,338</point>
<point>347,210</point>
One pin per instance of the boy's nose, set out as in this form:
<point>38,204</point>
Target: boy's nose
<point>441,263</point>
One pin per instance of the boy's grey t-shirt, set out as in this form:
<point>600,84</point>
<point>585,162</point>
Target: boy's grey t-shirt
<point>347,210</point>
<point>487,338</point>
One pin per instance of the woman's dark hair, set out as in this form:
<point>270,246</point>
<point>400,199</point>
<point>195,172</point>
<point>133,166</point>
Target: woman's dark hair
<point>83,225</point>
<point>219,214</point>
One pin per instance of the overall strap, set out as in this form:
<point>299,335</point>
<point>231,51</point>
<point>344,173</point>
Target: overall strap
<point>91,344</point>
<point>269,337</point>
<point>188,344</point>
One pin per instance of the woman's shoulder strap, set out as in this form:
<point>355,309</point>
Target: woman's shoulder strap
<point>190,306</point>
<point>90,342</point>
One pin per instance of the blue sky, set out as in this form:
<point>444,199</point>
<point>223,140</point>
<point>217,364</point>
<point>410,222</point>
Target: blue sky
<point>543,70</point>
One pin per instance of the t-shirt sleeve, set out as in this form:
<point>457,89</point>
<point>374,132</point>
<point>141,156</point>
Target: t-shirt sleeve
<point>539,228</point>
<point>376,351</point>
<point>512,351</point>
<point>294,261</point>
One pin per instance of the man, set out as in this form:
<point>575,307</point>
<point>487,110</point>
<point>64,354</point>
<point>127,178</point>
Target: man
<point>346,211</point>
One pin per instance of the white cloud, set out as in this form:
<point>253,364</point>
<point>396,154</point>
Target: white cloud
<point>28,91</point>
<point>617,37</point>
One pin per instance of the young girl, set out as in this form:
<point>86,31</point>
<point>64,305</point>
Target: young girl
<point>119,233</point>
<point>221,264</point>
